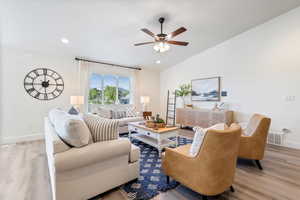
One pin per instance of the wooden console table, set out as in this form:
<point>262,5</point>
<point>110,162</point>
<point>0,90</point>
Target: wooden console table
<point>203,117</point>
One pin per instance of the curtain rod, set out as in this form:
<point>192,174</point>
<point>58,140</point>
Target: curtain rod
<point>99,62</point>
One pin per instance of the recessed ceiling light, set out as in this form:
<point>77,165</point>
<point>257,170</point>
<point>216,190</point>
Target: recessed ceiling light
<point>64,40</point>
<point>158,62</point>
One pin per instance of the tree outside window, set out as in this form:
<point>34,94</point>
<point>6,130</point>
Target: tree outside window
<point>95,92</point>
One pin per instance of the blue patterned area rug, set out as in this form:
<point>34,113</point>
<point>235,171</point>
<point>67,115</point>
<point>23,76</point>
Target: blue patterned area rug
<point>152,179</point>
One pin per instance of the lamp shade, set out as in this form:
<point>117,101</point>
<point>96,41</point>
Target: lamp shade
<point>77,100</point>
<point>145,99</point>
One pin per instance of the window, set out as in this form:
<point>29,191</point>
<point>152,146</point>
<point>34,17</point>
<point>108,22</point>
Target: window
<point>124,90</point>
<point>95,91</point>
<point>109,89</point>
<point>110,92</point>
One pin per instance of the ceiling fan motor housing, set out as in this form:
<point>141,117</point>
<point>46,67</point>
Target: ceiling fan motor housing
<point>161,20</point>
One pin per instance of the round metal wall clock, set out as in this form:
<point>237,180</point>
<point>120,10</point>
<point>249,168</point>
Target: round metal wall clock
<point>43,84</point>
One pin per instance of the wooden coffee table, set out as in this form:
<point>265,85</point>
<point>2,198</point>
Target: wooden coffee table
<point>159,138</point>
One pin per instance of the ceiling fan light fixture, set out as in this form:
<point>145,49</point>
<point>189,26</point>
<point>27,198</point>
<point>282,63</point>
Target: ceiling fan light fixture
<point>161,47</point>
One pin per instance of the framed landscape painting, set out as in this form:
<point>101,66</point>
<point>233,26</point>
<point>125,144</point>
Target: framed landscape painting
<point>207,89</point>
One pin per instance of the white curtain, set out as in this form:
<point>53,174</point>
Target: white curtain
<point>83,83</point>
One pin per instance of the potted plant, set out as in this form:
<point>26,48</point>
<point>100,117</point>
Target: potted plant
<point>183,91</point>
<point>156,122</point>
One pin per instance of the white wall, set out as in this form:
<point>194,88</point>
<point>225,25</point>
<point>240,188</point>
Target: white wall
<point>259,68</point>
<point>148,84</point>
<point>21,115</point>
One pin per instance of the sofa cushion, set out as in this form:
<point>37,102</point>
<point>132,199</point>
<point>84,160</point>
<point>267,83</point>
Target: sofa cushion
<point>102,129</point>
<point>126,120</point>
<point>134,153</point>
<point>91,154</point>
<point>70,128</point>
<point>103,112</point>
<point>199,136</point>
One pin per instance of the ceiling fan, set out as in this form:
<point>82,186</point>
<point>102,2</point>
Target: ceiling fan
<point>161,41</point>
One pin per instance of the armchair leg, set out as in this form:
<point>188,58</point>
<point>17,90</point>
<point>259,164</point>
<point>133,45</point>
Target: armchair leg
<point>232,189</point>
<point>204,197</point>
<point>168,179</point>
<point>258,164</point>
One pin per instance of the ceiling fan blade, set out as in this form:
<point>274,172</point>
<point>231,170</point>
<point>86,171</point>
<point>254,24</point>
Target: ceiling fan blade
<point>138,44</point>
<point>148,32</point>
<point>177,32</point>
<point>177,42</point>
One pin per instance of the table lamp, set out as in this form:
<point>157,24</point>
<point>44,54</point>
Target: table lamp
<point>76,102</point>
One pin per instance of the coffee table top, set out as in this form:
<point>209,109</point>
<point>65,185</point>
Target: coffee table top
<point>142,125</point>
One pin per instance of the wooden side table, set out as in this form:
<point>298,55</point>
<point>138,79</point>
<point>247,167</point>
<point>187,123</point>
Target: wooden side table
<point>147,115</point>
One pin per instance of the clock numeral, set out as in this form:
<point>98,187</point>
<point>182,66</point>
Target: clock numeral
<point>45,71</point>
<point>37,95</point>
<point>30,90</point>
<point>26,83</point>
<point>58,90</point>
<point>30,77</point>
<point>46,96</point>
<point>56,79</point>
<point>36,73</point>
<point>59,84</point>
<point>53,75</point>
<point>53,94</point>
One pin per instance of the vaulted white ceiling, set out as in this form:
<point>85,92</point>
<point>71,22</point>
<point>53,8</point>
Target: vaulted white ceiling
<point>107,29</point>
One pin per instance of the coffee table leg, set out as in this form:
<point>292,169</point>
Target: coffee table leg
<point>159,146</point>
<point>129,135</point>
<point>177,141</point>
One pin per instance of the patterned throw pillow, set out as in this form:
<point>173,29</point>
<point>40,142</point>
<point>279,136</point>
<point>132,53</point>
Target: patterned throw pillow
<point>131,111</point>
<point>118,114</point>
<point>102,129</point>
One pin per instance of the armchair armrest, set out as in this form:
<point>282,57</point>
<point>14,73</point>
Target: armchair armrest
<point>177,161</point>
<point>91,154</point>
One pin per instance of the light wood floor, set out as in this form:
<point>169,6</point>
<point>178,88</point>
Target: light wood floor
<point>24,176</point>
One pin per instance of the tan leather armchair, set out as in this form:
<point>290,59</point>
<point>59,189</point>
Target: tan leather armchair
<point>254,139</point>
<point>212,171</point>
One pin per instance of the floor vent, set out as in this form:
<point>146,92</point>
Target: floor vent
<point>276,137</point>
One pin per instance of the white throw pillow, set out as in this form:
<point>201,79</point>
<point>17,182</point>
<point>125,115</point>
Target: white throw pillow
<point>199,136</point>
<point>70,128</point>
<point>53,113</point>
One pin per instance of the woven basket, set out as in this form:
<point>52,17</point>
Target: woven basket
<point>151,124</point>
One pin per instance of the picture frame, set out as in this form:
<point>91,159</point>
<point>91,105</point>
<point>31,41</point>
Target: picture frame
<point>206,89</point>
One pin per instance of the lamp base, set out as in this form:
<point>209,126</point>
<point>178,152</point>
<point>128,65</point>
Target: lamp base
<point>73,111</point>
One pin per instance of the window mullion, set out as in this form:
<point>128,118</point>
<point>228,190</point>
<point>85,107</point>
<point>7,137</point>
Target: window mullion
<point>102,87</point>
<point>117,91</point>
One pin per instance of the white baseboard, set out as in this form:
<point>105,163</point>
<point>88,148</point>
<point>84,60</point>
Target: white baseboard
<point>25,138</point>
<point>292,144</point>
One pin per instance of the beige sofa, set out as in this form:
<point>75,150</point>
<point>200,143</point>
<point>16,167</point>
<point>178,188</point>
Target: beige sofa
<point>82,173</point>
<point>105,111</point>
